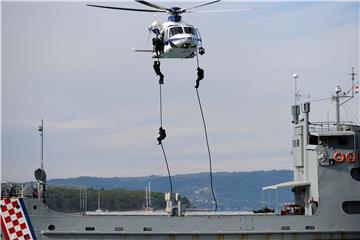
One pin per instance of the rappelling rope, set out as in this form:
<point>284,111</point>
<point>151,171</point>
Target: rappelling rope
<point>168,170</point>
<point>161,129</point>
<point>197,59</point>
<point>205,131</point>
<point>161,111</point>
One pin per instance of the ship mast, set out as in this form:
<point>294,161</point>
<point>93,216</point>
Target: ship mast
<point>337,100</point>
<point>41,130</point>
<point>295,109</point>
<point>40,174</point>
<point>346,95</point>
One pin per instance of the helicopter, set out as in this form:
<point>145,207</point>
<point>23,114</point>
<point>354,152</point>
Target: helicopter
<point>173,38</point>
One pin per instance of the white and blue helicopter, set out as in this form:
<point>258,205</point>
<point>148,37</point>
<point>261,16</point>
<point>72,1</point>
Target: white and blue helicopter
<point>173,38</point>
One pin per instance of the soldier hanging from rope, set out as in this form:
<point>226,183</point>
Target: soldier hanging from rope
<point>200,76</point>
<point>158,72</point>
<point>162,134</point>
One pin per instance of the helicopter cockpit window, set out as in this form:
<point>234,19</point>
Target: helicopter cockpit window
<point>190,30</point>
<point>175,30</point>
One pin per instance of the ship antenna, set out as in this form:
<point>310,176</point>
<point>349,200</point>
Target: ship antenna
<point>40,174</point>
<point>348,95</point>
<point>337,100</point>
<point>295,110</point>
<point>41,129</point>
<point>352,81</point>
<point>296,76</point>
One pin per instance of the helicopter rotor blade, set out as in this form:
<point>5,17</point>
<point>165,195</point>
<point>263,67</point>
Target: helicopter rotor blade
<point>126,9</point>
<point>201,5</point>
<point>153,5</point>
<point>224,10</point>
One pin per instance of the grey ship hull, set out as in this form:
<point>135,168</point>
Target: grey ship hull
<point>191,226</point>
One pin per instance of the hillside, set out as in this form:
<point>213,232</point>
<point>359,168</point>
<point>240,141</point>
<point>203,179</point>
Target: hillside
<point>234,190</point>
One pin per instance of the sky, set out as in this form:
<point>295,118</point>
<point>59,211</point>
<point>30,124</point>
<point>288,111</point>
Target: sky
<point>74,67</point>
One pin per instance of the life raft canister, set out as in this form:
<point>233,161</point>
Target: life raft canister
<point>339,157</point>
<point>351,157</point>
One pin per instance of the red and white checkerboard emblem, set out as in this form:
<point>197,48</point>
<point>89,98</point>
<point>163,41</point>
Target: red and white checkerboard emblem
<point>13,222</point>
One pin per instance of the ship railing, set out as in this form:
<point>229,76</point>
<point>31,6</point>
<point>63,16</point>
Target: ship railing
<point>10,189</point>
<point>326,126</point>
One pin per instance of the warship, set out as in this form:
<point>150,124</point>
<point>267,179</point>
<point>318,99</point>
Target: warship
<point>326,188</point>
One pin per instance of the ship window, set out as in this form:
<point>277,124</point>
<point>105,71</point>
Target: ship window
<point>147,229</point>
<point>285,227</point>
<point>342,141</point>
<point>90,229</point>
<point>310,227</point>
<point>119,229</point>
<point>51,227</point>
<point>313,140</point>
<point>190,30</point>
<point>351,207</point>
<point>175,30</point>
<point>296,143</point>
<point>338,142</point>
<point>355,173</point>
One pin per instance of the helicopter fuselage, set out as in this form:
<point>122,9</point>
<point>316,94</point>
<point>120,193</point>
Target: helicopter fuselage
<point>176,40</point>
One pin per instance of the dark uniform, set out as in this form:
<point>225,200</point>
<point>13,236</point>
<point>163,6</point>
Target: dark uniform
<point>200,74</point>
<point>162,134</point>
<point>158,72</point>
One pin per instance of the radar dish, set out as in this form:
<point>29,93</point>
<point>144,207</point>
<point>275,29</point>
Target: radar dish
<point>40,175</point>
